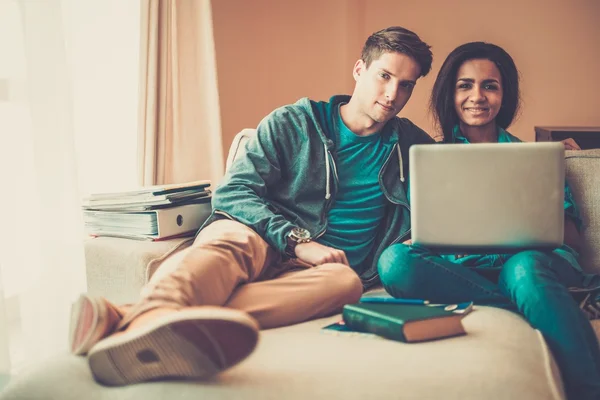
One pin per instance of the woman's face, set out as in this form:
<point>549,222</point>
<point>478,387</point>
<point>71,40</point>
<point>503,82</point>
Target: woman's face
<point>478,92</point>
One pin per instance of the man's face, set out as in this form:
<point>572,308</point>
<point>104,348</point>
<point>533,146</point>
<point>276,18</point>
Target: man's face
<point>385,86</point>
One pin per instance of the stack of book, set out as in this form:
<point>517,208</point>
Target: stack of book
<point>151,213</point>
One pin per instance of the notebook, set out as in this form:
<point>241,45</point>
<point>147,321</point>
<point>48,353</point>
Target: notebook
<point>403,322</point>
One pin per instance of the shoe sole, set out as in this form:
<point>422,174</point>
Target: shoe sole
<point>86,325</point>
<point>186,344</point>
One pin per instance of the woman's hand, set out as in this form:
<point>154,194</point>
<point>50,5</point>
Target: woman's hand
<point>570,144</point>
<point>316,254</point>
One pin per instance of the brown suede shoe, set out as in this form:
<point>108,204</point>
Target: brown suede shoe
<point>189,343</point>
<point>92,319</point>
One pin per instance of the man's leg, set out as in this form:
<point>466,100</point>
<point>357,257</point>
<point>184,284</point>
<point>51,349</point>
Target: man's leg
<point>537,283</point>
<point>298,295</point>
<point>166,334</point>
<point>416,272</point>
<point>276,293</point>
<point>224,255</point>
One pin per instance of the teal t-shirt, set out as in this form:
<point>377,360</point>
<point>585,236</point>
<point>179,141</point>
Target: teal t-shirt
<point>359,205</point>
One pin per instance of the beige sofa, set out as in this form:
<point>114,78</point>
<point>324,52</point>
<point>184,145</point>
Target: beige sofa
<point>501,357</point>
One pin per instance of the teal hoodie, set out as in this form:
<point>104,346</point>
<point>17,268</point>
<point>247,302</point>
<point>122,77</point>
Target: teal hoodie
<point>288,178</point>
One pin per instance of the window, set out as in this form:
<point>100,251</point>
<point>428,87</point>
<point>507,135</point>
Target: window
<point>96,51</point>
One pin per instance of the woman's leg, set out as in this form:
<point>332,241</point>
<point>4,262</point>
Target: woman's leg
<point>537,283</point>
<point>416,272</point>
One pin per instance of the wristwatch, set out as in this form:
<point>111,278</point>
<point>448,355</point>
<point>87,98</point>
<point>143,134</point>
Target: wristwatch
<point>295,237</point>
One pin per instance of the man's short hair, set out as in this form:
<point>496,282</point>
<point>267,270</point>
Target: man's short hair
<point>399,40</point>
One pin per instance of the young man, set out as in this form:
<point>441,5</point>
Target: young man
<point>297,227</point>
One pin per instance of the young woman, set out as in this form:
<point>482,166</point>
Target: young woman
<point>475,98</point>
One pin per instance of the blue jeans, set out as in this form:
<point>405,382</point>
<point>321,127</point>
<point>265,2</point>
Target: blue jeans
<point>532,283</point>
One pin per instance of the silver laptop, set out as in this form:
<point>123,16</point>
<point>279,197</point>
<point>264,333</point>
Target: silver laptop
<point>489,197</point>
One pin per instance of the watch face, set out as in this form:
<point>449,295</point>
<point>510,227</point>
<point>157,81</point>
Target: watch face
<point>301,234</point>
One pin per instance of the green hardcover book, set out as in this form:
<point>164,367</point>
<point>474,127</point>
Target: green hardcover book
<point>406,323</point>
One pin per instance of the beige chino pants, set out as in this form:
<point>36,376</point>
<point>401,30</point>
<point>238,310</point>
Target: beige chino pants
<point>230,265</point>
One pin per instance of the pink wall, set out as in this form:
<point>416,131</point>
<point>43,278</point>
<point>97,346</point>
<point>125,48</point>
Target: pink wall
<point>273,52</point>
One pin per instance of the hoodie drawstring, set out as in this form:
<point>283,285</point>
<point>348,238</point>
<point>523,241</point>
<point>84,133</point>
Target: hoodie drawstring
<point>327,172</point>
<point>400,164</point>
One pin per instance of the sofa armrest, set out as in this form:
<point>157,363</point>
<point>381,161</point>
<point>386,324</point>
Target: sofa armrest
<point>118,268</point>
<point>583,174</point>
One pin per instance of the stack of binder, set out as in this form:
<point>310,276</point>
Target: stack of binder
<point>151,213</point>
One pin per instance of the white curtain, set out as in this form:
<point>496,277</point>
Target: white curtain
<point>68,126</point>
<point>4,343</point>
<point>41,237</point>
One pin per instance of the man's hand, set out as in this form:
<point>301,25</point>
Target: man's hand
<point>570,144</point>
<point>317,254</point>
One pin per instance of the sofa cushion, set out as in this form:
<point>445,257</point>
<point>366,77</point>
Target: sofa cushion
<point>118,268</point>
<point>583,174</point>
<point>238,146</point>
<point>501,357</point>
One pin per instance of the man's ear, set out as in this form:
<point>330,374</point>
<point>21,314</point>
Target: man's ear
<point>359,68</point>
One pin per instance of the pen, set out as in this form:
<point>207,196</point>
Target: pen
<point>393,300</point>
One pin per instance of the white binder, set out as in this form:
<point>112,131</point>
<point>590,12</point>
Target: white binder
<point>177,220</point>
<point>148,225</point>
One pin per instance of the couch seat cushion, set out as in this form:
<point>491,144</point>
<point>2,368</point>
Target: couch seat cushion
<point>501,357</point>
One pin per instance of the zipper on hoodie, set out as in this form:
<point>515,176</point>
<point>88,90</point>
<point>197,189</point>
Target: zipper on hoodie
<point>387,160</point>
<point>328,202</point>
<point>335,174</point>
<point>223,213</point>
<point>373,268</point>
<point>327,206</point>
